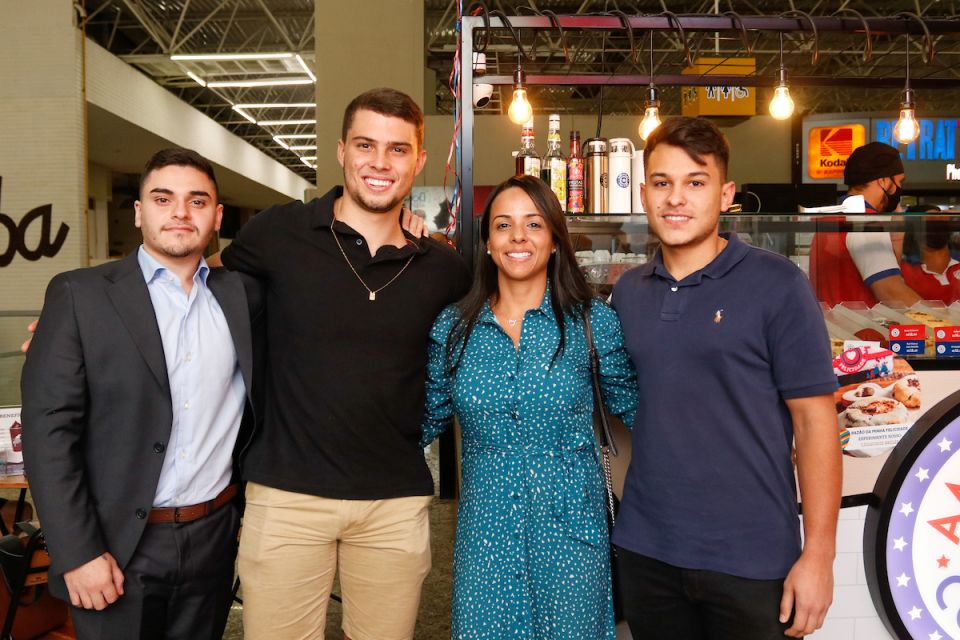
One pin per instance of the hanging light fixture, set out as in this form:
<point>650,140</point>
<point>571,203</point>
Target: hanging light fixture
<point>651,106</point>
<point>907,128</point>
<point>651,113</point>
<point>520,110</point>
<point>781,106</point>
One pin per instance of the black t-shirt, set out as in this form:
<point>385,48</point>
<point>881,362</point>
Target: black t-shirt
<point>344,374</point>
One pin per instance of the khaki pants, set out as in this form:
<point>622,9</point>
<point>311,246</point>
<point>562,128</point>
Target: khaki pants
<point>292,545</point>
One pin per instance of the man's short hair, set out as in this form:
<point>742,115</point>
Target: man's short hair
<point>386,102</point>
<point>696,136</point>
<point>870,162</point>
<point>179,158</point>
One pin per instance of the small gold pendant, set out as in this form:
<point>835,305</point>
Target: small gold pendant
<point>373,296</point>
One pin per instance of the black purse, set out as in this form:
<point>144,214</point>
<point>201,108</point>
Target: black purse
<point>608,447</point>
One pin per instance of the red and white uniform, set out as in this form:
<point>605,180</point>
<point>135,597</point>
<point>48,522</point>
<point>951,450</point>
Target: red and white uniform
<point>843,265</point>
<point>933,286</point>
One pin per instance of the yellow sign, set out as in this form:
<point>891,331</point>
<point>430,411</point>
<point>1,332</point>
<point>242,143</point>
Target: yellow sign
<point>829,147</point>
<point>715,100</point>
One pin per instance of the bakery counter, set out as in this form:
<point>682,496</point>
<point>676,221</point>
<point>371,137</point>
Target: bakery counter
<point>607,245</point>
<point>925,330</point>
<point>893,362</point>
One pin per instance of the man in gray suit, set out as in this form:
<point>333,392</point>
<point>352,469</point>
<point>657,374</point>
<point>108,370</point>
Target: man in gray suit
<point>135,390</point>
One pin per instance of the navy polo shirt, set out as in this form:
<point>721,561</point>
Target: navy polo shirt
<point>711,484</point>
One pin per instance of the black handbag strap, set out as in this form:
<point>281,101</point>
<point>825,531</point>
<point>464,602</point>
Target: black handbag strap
<point>605,435</point>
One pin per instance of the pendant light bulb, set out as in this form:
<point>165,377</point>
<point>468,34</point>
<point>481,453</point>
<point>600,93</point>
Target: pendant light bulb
<point>651,114</point>
<point>907,128</point>
<point>520,110</point>
<point>781,107</point>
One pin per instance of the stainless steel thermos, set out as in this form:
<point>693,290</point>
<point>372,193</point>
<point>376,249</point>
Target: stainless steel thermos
<point>597,175</point>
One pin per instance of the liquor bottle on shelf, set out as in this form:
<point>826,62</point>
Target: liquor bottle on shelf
<point>575,176</point>
<point>528,161</point>
<point>553,170</point>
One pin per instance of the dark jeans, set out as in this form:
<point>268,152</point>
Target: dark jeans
<point>664,602</point>
<point>177,586</point>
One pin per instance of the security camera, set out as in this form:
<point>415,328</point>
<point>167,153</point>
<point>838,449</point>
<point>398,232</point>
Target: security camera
<point>481,95</point>
<point>481,92</point>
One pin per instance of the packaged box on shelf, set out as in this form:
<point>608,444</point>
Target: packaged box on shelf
<point>947,337</point>
<point>11,444</point>
<point>907,336</point>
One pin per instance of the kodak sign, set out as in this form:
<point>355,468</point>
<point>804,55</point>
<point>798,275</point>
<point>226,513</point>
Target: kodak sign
<point>829,147</point>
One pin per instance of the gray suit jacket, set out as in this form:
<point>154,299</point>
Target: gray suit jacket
<point>97,411</point>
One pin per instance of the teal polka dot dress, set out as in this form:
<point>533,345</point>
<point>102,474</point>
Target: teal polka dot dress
<point>532,554</point>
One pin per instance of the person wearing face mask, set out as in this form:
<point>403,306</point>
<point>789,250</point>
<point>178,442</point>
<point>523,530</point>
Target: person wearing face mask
<point>864,266</point>
<point>927,266</point>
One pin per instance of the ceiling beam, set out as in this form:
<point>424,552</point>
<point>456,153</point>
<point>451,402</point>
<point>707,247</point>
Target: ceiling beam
<point>675,80</point>
<point>156,31</point>
<point>704,22</point>
<point>276,25</point>
<point>176,46</point>
<point>176,30</point>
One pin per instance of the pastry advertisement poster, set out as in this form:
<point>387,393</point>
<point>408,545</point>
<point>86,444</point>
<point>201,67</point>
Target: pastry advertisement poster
<point>11,447</point>
<point>879,398</point>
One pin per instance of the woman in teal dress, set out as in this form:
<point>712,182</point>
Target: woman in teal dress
<point>532,555</point>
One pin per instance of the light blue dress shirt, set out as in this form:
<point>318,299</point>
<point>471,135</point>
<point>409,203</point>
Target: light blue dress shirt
<point>206,388</point>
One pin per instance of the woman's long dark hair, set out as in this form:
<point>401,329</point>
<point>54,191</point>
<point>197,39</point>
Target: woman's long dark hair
<point>569,290</point>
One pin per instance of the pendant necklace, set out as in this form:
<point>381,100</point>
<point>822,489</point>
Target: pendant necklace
<point>372,292</point>
<point>511,322</point>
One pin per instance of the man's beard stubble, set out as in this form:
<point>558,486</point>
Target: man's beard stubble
<point>375,208</point>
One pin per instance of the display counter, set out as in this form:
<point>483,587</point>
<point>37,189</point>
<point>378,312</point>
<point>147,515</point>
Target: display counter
<point>877,404</point>
<point>607,245</point>
<point>897,368</point>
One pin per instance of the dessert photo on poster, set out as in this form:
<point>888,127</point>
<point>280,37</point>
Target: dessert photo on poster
<point>878,400</point>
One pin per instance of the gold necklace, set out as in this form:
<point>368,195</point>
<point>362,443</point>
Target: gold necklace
<point>373,292</point>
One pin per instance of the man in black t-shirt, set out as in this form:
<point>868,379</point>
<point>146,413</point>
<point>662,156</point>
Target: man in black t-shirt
<point>336,476</point>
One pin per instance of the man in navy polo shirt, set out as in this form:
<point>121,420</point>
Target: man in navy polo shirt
<point>734,368</point>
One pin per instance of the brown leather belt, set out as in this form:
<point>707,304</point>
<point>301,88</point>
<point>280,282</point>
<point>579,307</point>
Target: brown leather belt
<point>166,515</point>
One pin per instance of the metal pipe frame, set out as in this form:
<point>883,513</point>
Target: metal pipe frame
<point>689,23</point>
<point>716,23</point>
<point>706,81</point>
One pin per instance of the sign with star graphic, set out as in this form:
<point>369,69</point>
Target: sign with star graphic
<point>912,533</point>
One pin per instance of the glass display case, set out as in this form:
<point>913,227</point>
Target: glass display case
<point>928,329</point>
